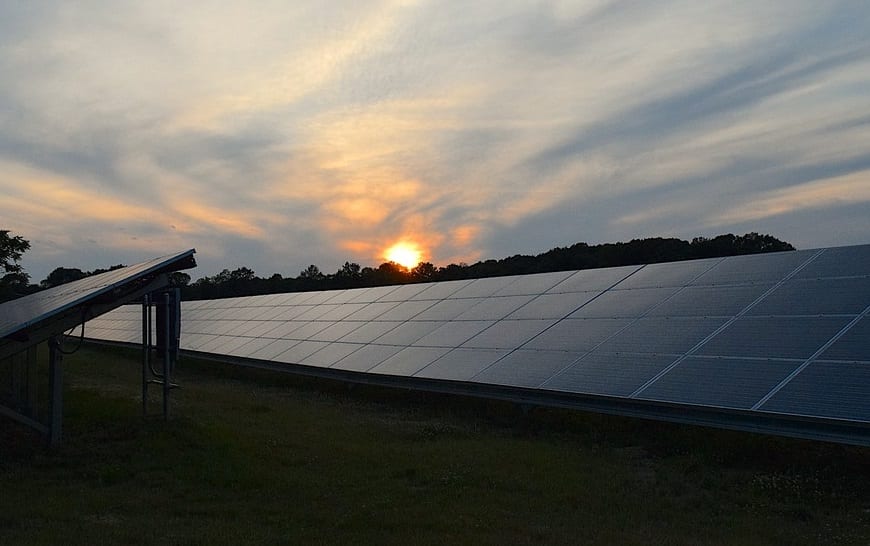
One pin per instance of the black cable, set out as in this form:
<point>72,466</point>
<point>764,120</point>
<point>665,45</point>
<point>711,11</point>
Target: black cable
<point>81,336</point>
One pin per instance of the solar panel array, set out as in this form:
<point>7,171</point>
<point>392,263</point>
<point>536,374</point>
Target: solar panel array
<point>22,313</point>
<point>785,333</point>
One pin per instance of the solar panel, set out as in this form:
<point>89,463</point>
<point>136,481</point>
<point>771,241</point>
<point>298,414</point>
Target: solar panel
<point>776,342</point>
<point>30,320</point>
<point>26,312</point>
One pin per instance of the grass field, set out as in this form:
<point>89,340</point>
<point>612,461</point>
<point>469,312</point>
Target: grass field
<point>255,457</point>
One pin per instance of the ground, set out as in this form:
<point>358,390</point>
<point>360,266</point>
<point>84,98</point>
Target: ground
<point>258,457</point>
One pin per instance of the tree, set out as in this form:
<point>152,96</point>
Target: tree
<point>179,279</point>
<point>12,247</point>
<point>62,275</point>
<point>311,272</point>
<point>424,271</point>
<point>13,280</point>
<point>349,271</point>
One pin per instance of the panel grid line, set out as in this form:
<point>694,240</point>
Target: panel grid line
<point>633,321</point>
<point>721,328</point>
<point>811,359</point>
<point>556,321</point>
<point>515,349</point>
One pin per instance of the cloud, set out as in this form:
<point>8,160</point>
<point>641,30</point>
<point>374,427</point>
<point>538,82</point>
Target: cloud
<point>285,134</point>
<point>853,188</point>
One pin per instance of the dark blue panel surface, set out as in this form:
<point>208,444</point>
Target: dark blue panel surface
<point>724,382</point>
<point>711,301</point>
<point>609,374</point>
<point>844,261</point>
<point>838,390</point>
<point>848,296</point>
<point>526,368</point>
<point>854,345</point>
<point>755,268</point>
<point>578,335</point>
<point>774,337</point>
<point>22,313</point>
<point>662,335</point>
<point>624,303</point>
<point>461,364</point>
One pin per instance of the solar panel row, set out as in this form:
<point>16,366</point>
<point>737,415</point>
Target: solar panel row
<point>785,333</point>
<point>24,312</point>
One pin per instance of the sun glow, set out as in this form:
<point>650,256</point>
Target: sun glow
<point>408,255</point>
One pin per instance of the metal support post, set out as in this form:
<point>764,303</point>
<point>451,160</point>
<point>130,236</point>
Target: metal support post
<point>146,350</point>
<point>32,382</point>
<point>167,349</point>
<point>55,382</point>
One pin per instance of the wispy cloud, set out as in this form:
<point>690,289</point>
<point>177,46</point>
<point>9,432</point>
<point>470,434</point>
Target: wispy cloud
<point>288,134</point>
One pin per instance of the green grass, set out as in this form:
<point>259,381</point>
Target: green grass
<point>259,457</point>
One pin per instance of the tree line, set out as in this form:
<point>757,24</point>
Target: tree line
<point>243,281</point>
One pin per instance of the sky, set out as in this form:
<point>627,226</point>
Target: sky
<point>275,134</point>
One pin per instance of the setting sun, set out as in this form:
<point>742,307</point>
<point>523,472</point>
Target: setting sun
<point>408,255</point>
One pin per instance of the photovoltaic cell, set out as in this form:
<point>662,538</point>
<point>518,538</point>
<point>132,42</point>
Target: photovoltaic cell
<point>508,334</point>
<point>440,290</point>
<point>608,374</point>
<point>853,345</point>
<point>409,360</point>
<point>721,382</point>
<point>553,306</point>
<point>446,309</point>
<point>494,308</point>
<point>285,329</point>
<point>272,350</point>
<point>296,353</point>
<point>461,364</point>
<point>755,268</point>
<point>366,357</point>
<point>594,280</point>
<point>402,293</point>
<point>577,335</point>
<point>838,390</point>
<point>371,311</point>
<point>526,368</point>
<point>307,331</point>
<point>623,303</point>
<point>407,333</point>
<point>669,335</point>
<point>710,301</point>
<point>838,262</point>
<point>343,296</point>
<point>330,354</point>
<point>774,337</point>
<point>407,310</point>
<point>847,296</point>
<point>453,334</point>
<point>335,331</point>
<point>483,288</point>
<point>370,331</point>
<point>376,293</point>
<point>251,346</point>
<point>533,284</point>
<point>342,311</point>
<point>668,275</point>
